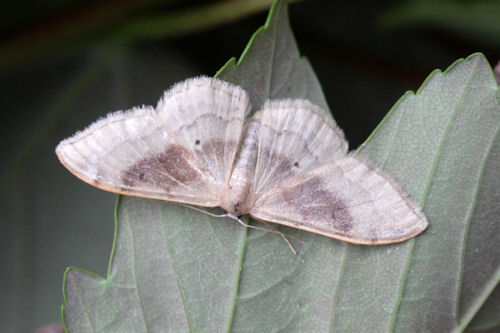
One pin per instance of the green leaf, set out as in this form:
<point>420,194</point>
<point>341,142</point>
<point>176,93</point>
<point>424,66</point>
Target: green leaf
<point>442,143</point>
<point>270,66</point>
<point>173,269</point>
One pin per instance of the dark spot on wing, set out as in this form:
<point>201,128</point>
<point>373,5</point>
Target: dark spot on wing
<point>315,204</point>
<point>212,153</point>
<point>296,164</point>
<point>300,143</point>
<point>197,142</point>
<point>165,170</point>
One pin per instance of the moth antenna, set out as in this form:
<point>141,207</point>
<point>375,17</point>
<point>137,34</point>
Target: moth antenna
<point>272,228</point>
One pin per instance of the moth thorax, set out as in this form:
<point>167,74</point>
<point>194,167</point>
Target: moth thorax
<point>236,195</point>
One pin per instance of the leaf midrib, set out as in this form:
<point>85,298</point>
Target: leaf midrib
<point>239,269</point>
<point>273,15</point>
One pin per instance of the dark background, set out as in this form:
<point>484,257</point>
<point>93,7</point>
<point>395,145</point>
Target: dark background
<point>65,63</point>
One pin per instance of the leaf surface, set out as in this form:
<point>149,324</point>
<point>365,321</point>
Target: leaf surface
<point>173,269</point>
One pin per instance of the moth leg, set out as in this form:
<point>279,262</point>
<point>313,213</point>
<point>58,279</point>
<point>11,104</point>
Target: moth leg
<point>272,228</point>
<point>275,230</point>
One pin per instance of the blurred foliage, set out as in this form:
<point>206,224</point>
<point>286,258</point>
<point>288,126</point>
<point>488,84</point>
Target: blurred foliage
<point>474,21</point>
<point>64,63</point>
<point>118,22</point>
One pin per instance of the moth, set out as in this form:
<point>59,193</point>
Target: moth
<point>287,164</point>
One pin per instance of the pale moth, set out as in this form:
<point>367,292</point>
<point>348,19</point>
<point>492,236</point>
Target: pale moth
<point>287,164</point>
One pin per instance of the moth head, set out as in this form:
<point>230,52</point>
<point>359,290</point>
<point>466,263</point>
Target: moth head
<point>234,201</point>
<point>234,206</point>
